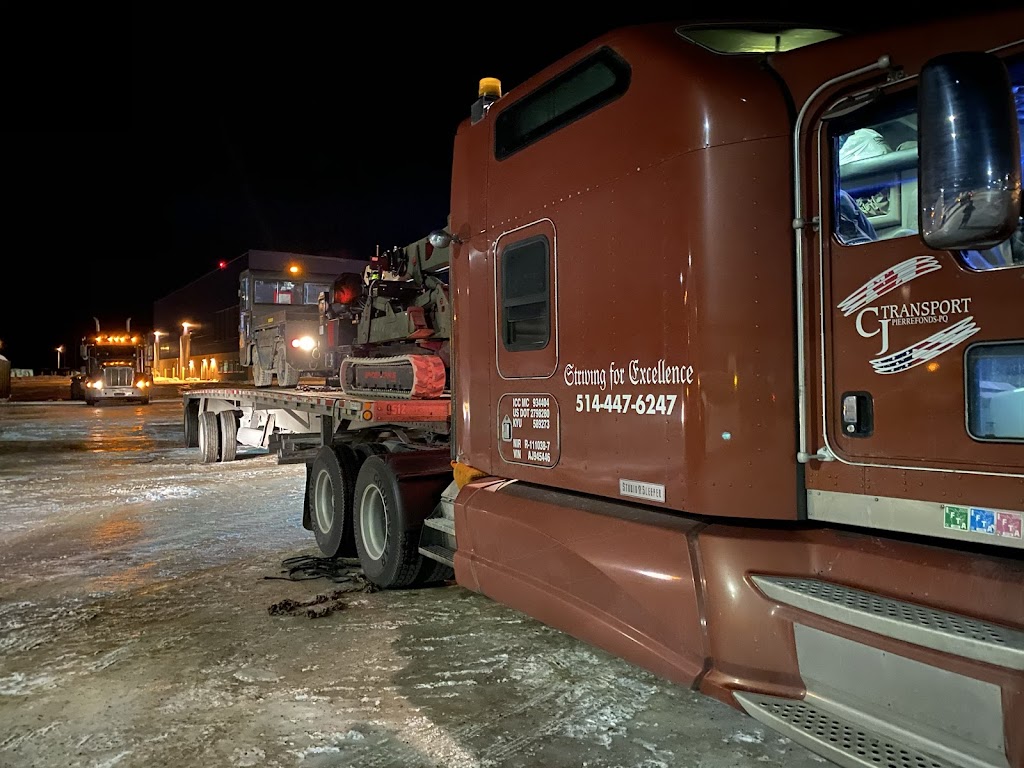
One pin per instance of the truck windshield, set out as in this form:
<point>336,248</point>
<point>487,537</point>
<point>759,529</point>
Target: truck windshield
<point>109,353</point>
<point>287,292</point>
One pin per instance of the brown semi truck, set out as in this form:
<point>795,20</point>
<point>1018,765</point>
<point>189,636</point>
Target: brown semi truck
<point>736,379</point>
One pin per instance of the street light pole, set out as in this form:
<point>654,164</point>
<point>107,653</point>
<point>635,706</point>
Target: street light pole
<point>59,350</point>
<point>156,351</point>
<point>185,349</point>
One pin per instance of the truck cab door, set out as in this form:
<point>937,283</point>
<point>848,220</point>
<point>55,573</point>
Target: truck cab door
<point>920,361</point>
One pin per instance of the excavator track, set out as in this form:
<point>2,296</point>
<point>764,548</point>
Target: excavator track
<point>412,377</point>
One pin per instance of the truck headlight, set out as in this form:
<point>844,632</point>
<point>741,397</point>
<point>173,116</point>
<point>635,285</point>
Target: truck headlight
<point>305,343</point>
<point>98,384</point>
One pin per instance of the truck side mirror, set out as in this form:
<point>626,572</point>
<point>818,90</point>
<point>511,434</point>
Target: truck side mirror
<point>442,238</point>
<point>970,155</point>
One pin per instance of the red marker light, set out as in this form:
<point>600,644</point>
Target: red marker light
<point>222,264</point>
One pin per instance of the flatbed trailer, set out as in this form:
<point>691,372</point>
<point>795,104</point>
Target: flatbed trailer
<point>295,422</point>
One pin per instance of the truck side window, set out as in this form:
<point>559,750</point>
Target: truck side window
<point>875,159</point>
<point>274,291</point>
<point>311,292</point>
<point>995,391</point>
<point>525,298</point>
<point>584,87</point>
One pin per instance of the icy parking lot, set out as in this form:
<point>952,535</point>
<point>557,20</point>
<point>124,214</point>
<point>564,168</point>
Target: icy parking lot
<point>136,587</point>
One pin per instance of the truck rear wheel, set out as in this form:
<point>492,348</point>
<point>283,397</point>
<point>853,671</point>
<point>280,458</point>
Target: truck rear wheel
<point>388,548</point>
<point>228,435</point>
<point>331,486</point>
<point>433,572</point>
<point>209,437</point>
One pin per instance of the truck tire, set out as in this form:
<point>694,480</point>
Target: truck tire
<point>261,377</point>
<point>228,435</point>
<point>388,548</point>
<point>288,376</point>
<point>190,421</point>
<point>330,488</point>
<point>209,437</point>
<point>433,572</point>
<point>365,450</point>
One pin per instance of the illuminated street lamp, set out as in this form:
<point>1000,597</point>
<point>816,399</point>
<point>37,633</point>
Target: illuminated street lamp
<point>156,350</point>
<point>185,348</point>
<point>60,349</point>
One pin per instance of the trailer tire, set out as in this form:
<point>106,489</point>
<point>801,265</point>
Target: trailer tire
<point>209,437</point>
<point>228,435</point>
<point>191,423</point>
<point>331,485</point>
<point>388,549</point>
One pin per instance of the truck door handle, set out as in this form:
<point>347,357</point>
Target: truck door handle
<point>858,414</point>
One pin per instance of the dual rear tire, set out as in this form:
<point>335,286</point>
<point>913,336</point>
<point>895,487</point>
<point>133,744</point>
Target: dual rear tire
<point>216,435</point>
<point>330,492</point>
<point>358,509</point>
<point>386,540</point>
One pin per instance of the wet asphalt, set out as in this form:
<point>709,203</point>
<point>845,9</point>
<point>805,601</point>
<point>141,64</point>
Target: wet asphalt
<point>146,620</point>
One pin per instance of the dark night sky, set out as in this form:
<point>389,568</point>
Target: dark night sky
<point>138,151</point>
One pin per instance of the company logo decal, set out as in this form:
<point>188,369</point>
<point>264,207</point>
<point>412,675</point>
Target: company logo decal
<point>892,278</point>
<point>926,349</point>
<point>877,320</point>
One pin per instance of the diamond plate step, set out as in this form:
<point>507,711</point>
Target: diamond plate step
<point>839,740</point>
<point>439,553</point>
<point>926,627</point>
<point>445,524</point>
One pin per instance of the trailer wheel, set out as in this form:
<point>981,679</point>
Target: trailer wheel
<point>191,423</point>
<point>228,435</point>
<point>209,437</point>
<point>388,549</point>
<point>331,485</point>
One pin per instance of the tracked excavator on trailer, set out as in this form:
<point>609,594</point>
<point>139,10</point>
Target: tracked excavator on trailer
<point>387,331</point>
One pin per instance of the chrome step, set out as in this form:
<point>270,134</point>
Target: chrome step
<point>439,553</point>
<point>834,738</point>
<point>927,627</point>
<point>445,524</point>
